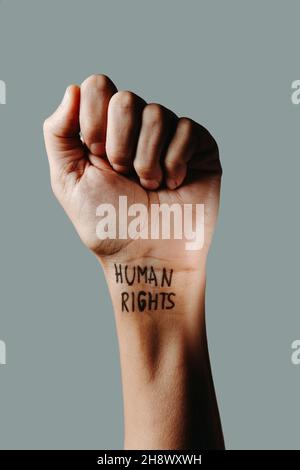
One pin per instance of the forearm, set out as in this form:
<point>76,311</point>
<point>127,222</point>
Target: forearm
<point>104,144</point>
<point>169,399</point>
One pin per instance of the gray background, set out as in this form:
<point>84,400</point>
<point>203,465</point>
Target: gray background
<point>227,64</point>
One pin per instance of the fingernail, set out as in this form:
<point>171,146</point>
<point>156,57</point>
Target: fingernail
<point>149,184</point>
<point>171,183</point>
<point>97,148</point>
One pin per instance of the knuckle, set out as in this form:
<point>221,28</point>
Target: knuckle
<point>89,137</point>
<point>206,137</point>
<point>117,155</point>
<point>124,100</point>
<point>153,114</point>
<point>99,81</point>
<point>118,158</point>
<point>215,144</point>
<point>138,166</point>
<point>145,169</point>
<point>172,164</point>
<point>187,127</point>
<point>169,164</point>
<point>88,126</point>
<point>211,143</point>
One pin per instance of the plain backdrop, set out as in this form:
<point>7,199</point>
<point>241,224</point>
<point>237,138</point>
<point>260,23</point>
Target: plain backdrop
<point>228,65</point>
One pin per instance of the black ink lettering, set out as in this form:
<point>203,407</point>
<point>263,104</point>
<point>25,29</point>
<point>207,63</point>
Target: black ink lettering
<point>165,277</point>
<point>145,300</point>
<point>142,272</point>
<point>163,300</point>
<point>171,302</point>
<point>126,276</point>
<point>118,273</point>
<point>152,276</point>
<point>152,299</point>
<point>125,297</point>
<point>141,300</point>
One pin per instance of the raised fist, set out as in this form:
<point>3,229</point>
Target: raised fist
<point>103,143</point>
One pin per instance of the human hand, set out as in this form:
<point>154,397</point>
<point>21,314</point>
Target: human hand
<point>131,148</point>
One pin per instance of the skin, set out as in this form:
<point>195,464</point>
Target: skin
<point>102,143</point>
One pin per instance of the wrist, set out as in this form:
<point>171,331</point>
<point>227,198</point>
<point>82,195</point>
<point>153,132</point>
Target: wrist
<point>156,289</point>
<point>156,273</point>
<point>159,310</point>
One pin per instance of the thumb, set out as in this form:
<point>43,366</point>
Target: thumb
<point>61,132</point>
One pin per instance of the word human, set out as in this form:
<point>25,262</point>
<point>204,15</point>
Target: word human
<point>145,275</point>
<point>140,300</point>
<point>159,221</point>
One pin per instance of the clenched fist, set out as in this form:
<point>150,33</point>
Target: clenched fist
<point>103,143</point>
